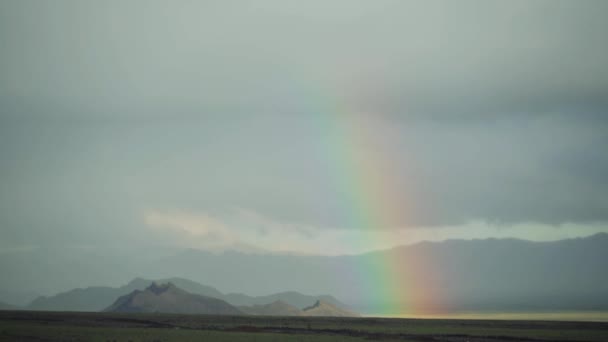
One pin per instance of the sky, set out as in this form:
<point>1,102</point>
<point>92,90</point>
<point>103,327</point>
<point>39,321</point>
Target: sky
<point>309,127</point>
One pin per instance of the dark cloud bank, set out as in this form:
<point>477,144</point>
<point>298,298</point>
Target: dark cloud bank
<point>489,111</point>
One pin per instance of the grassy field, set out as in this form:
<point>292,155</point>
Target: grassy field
<point>70,326</point>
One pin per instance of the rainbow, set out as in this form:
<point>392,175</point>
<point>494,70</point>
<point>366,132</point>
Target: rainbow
<point>365,179</point>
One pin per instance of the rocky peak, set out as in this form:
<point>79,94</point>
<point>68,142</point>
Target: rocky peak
<point>315,305</point>
<point>160,288</point>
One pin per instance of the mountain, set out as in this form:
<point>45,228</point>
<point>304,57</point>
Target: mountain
<point>281,308</point>
<point>185,284</point>
<point>292,297</point>
<point>88,299</point>
<point>507,274</point>
<point>93,298</point>
<point>276,308</point>
<point>322,308</point>
<point>99,297</point>
<point>454,275</point>
<point>168,298</point>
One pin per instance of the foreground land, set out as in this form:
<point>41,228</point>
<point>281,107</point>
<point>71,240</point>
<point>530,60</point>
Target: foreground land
<point>71,326</point>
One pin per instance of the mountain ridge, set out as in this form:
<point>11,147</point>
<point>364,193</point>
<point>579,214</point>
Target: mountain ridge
<point>483,274</point>
<point>280,308</point>
<point>96,298</point>
<point>168,298</point>
<point>276,308</point>
<point>324,309</point>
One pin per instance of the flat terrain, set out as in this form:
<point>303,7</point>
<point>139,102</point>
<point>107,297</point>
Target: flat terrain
<point>73,326</point>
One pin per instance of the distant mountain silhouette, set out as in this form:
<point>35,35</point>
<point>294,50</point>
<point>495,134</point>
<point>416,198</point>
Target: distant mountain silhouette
<point>281,308</point>
<point>291,297</point>
<point>168,298</point>
<point>489,274</point>
<point>276,308</point>
<point>93,298</point>
<point>322,308</point>
<point>512,274</point>
<point>99,297</point>
<point>88,299</point>
<point>185,284</point>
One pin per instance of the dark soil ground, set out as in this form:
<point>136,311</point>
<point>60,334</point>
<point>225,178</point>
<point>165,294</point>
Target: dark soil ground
<point>75,326</point>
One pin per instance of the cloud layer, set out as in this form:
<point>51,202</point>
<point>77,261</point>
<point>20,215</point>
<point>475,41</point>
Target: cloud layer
<point>403,58</point>
<point>249,232</point>
<point>479,112</point>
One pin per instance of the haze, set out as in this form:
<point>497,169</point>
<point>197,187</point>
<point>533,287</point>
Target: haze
<point>135,130</point>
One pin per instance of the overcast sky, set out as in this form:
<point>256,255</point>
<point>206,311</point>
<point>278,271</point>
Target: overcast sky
<point>234,124</point>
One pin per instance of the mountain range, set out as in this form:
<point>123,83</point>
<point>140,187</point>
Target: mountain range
<point>98,298</point>
<point>453,275</point>
<point>276,308</point>
<point>280,308</point>
<point>490,274</point>
<point>168,298</point>
<point>322,308</point>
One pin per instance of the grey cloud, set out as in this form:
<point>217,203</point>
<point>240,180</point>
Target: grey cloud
<point>97,178</point>
<point>438,58</point>
<point>487,110</point>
